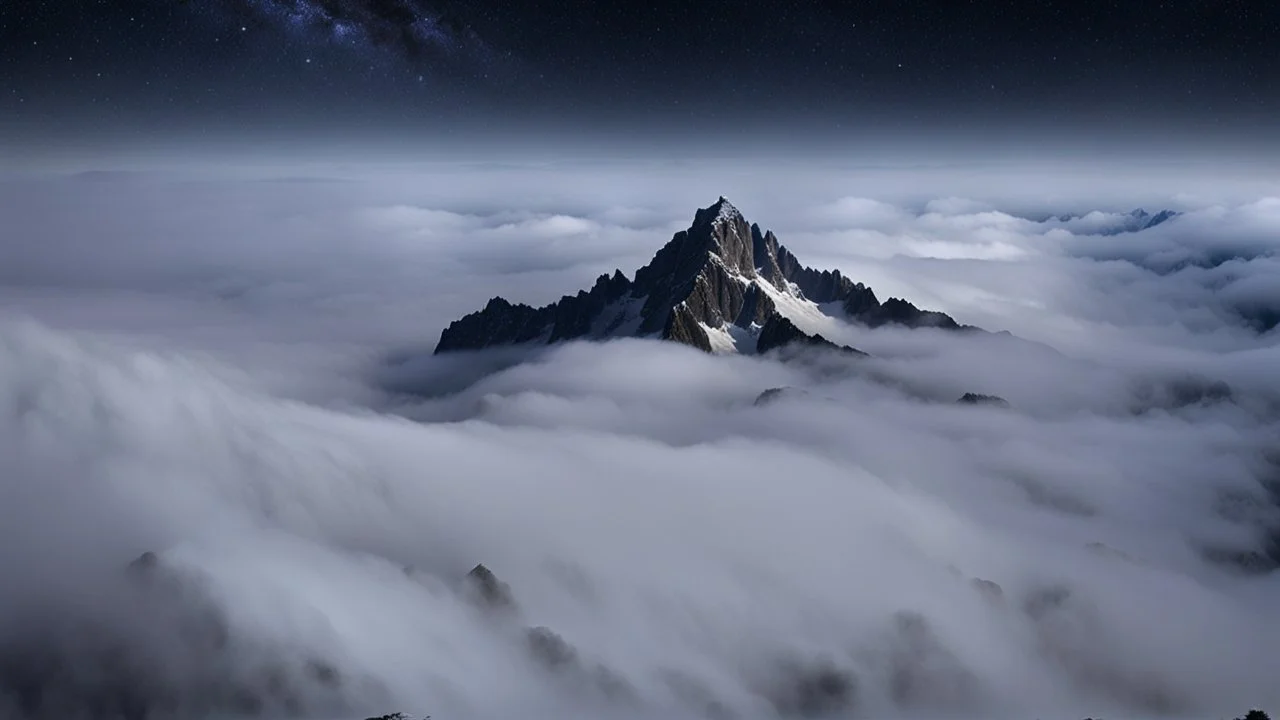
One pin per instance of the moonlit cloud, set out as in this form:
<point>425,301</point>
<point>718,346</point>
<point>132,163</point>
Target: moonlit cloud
<point>236,375</point>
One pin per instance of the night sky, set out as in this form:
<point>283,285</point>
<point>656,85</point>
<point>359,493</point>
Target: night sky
<point>75,66</point>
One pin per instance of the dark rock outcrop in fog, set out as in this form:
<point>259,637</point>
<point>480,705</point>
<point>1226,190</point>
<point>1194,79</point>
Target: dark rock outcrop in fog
<point>980,399</point>
<point>780,332</point>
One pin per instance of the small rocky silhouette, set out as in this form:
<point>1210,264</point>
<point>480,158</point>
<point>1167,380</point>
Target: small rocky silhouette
<point>979,399</point>
<point>489,590</point>
<point>1041,602</point>
<point>773,395</point>
<point>813,690</point>
<point>989,590</point>
<point>144,566</point>
<point>550,649</point>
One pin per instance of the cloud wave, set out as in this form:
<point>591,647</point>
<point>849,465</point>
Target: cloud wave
<point>239,381</point>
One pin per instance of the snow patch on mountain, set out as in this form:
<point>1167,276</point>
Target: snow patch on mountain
<point>730,339</point>
<point>806,314</point>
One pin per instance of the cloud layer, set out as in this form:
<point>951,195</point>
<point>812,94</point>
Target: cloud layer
<point>234,373</point>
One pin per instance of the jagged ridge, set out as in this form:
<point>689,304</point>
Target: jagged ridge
<point>1135,220</point>
<point>713,286</point>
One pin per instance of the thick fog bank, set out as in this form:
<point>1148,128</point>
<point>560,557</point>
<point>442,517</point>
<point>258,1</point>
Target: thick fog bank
<point>234,482</point>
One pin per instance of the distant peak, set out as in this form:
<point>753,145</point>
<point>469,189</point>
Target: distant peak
<point>721,275</point>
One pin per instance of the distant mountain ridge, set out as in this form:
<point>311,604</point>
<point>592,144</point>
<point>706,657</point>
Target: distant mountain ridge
<point>1133,221</point>
<point>722,286</point>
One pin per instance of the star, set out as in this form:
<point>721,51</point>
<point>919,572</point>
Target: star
<point>405,28</point>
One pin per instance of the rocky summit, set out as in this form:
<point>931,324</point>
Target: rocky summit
<point>722,286</point>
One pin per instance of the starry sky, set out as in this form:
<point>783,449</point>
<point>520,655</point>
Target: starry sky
<point>72,66</point>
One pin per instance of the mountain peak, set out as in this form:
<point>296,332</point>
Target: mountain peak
<point>714,286</point>
<point>721,210</point>
<point>720,230</point>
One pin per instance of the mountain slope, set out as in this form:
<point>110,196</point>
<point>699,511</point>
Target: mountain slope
<point>713,286</point>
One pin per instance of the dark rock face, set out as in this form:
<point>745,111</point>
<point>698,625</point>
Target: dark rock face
<point>1178,393</point>
<point>1160,218</point>
<point>719,272</point>
<point>704,274</point>
<point>757,308</point>
<point>817,689</point>
<point>501,323</point>
<point>574,314</point>
<point>1042,601</point>
<point>488,590</point>
<point>989,589</point>
<point>556,655</point>
<point>549,649</point>
<point>772,395</point>
<point>860,301</point>
<point>682,327</point>
<point>1140,219</point>
<point>144,564</point>
<point>896,311</point>
<point>780,332</point>
<point>978,399</point>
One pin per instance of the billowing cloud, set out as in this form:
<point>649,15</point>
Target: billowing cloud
<point>236,376</point>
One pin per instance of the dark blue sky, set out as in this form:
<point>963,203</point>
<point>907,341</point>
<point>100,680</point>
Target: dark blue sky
<point>153,64</point>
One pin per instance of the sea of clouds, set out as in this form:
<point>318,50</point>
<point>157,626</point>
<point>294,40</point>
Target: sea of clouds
<point>229,366</point>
